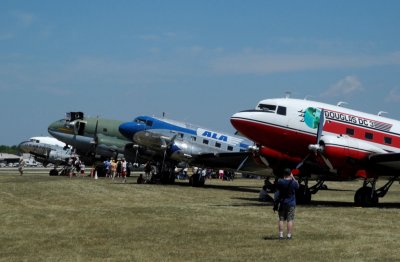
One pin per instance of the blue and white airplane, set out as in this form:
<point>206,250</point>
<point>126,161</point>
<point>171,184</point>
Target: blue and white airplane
<point>171,143</point>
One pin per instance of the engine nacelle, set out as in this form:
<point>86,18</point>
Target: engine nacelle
<point>345,150</point>
<point>181,151</point>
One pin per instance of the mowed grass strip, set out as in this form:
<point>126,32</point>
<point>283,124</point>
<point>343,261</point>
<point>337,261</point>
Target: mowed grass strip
<point>47,218</point>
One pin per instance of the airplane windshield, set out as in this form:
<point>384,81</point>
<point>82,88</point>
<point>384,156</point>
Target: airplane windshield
<point>267,108</point>
<point>140,121</point>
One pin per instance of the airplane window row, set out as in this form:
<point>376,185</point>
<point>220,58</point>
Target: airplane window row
<point>369,136</point>
<point>217,144</point>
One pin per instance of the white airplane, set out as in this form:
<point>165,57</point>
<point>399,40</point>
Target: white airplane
<point>324,142</point>
<point>47,150</point>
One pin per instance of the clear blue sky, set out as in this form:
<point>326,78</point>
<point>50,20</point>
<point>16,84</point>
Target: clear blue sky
<point>198,61</point>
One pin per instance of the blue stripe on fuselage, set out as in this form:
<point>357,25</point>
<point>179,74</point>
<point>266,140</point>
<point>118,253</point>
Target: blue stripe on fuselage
<point>243,145</point>
<point>159,124</point>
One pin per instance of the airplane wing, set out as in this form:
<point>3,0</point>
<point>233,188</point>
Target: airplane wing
<point>389,160</point>
<point>241,161</point>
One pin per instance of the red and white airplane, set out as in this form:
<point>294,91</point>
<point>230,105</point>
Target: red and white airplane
<point>324,142</point>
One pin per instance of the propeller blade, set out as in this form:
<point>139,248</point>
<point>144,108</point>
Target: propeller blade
<point>95,140</point>
<point>242,163</point>
<point>95,135</point>
<point>320,125</point>
<point>327,162</point>
<point>302,162</point>
<point>172,141</point>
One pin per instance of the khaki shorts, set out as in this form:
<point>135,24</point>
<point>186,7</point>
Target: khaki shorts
<point>286,213</point>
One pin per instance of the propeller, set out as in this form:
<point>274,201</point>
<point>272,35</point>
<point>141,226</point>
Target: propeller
<point>167,146</point>
<point>317,147</point>
<point>95,141</point>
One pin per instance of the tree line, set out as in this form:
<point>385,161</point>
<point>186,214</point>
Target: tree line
<point>9,149</point>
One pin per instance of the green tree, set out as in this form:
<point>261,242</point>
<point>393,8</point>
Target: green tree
<point>9,149</point>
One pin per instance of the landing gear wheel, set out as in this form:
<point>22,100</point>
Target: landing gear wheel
<point>303,195</point>
<point>366,197</point>
<point>53,172</point>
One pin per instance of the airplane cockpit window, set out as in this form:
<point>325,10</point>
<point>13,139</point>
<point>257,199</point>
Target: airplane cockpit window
<point>281,110</point>
<point>140,121</point>
<point>267,108</point>
<point>149,123</point>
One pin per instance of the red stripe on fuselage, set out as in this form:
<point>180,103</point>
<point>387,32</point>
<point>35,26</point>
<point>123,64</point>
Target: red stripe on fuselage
<point>339,128</point>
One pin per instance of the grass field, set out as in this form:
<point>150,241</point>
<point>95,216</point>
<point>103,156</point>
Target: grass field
<point>47,218</point>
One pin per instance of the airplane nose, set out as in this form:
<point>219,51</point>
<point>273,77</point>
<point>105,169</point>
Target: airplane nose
<point>130,128</point>
<point>23,146</point>
<point>55,126</point>
<point>237,120</point>
<point>241,121</point>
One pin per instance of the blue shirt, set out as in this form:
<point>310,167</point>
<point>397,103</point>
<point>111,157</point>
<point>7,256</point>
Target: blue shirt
<point>289,186</point>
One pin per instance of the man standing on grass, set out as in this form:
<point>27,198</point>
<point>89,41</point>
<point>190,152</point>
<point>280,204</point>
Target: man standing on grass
<point>285,201</point>
<point>21,166</point>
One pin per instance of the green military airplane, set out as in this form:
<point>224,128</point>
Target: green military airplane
<point>93,137</point>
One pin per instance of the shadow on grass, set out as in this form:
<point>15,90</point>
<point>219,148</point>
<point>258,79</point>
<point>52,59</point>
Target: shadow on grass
<point>335,204</point>
<point>313,204</point>
<point>225,187</point>
<point>274,238</point>
<point>337,190</point>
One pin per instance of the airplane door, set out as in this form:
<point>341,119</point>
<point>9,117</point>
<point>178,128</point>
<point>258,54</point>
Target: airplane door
<point>81,128</point>
<point>283,118</point>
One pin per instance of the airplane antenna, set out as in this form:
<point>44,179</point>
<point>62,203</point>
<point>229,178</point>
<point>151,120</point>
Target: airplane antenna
<point>163,114</point>
<point>288,94</point>
<point>380,113</point>
<point>341,103</point>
